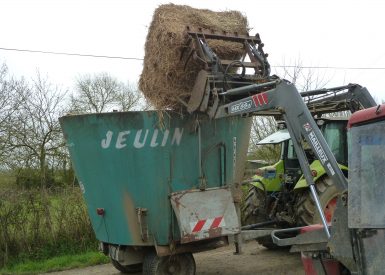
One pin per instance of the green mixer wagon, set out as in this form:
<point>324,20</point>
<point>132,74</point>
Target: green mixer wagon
<point>158,186</point>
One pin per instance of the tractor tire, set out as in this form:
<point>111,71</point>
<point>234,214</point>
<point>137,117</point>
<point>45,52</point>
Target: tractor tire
<point>254,211</point>
<point>307,213</point>
<point>179,264</point>
<point>253,208</point>
<point>127,269</point>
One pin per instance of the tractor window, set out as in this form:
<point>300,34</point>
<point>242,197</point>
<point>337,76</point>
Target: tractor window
<point>290,151</point>
<point>335,136</point>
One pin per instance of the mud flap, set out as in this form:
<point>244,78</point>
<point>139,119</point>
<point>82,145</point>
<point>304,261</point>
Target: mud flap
<point>205,214</point>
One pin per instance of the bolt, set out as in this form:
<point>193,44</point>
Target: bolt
<point>171,269</point>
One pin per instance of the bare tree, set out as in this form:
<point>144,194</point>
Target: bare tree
<point>35,134</point>
<point>13,92</point>
<point>262,127</point>
<point>101,93</point>
<point>130,98</point>
<point>305,79</point>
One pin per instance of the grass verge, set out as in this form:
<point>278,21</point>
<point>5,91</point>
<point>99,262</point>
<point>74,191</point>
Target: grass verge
<point>56,264</point>
<point>41,224</point>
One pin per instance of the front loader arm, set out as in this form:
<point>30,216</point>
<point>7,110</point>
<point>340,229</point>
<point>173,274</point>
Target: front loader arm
<point>284,97</point>
<point>351,97</point>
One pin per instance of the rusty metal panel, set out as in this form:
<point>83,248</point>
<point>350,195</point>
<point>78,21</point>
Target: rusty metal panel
<point>205,214</point>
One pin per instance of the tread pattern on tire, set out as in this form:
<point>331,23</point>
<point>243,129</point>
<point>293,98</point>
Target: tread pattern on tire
<point>127,269</point>
<point>254,200</point>
<point>152,264</point>
<point>254,211</point>
<point>305,208</point>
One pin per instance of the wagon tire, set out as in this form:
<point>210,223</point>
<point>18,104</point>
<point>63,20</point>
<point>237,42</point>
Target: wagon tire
<point>127,269</point>
<point>179,264</point>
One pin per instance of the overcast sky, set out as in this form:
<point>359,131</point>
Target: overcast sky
<point>342,34</point>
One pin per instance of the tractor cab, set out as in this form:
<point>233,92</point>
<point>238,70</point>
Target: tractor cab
<point>274,185</point>
<point>288,168</point>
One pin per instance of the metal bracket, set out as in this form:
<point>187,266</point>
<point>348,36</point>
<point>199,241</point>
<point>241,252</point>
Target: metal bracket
<point>213,109</point>
<point>142,219</point>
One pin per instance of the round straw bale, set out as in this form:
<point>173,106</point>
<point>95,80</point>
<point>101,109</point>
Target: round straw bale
<point>164,79</point>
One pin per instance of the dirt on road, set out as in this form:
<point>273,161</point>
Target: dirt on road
<point>254,260</point>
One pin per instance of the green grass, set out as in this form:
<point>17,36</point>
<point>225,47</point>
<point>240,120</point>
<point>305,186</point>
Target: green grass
<point>29,234</point>
<point>7,179</point>
<point>56,263</point>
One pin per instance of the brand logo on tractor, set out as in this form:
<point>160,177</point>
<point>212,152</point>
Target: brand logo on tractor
<point>318,148</point>
<point>141,138</point>
<point>241,106</point>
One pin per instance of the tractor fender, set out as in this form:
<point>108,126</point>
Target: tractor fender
<point>270,183</point>
<point>259,182</point>
<point>316,166</point>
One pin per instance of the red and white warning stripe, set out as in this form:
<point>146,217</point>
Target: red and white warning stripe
<point>206,224</point>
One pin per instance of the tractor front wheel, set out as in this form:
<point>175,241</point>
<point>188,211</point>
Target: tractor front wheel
<point>255,211</point>
<point>254,207</point>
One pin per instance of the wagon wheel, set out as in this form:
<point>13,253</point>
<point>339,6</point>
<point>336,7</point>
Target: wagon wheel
<point>180,264</point>
<point>134,268</point>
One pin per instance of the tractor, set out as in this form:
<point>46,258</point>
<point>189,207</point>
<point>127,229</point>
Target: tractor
<point>278,195</point>
<point>357,240</point>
